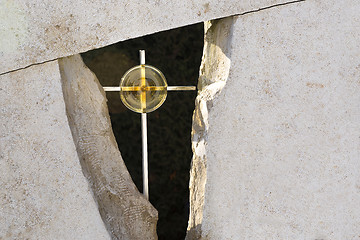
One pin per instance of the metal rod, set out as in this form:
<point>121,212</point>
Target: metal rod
<point>143,81</point>
<point>181,88</point>
<point>144,134</point>
<point>144,156</point>
<point>142,57</point>
<point>169,88</point>
<point>111,89</point>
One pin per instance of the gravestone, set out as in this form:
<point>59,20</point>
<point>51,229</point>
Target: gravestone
<point>277,125</point>
<point>43,194</point>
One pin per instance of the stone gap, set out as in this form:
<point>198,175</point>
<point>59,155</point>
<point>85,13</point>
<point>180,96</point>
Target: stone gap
<point>177,53</point>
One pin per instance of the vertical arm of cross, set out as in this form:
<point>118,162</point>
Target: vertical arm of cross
<point>144,128</point>
<point>143,80</point>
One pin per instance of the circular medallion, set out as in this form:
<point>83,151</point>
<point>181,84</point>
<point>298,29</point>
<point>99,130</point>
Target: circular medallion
<point>143,89</point>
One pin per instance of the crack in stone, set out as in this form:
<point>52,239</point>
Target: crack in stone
<point>261,9</point>
<point>240,14</point>
<point>34,64</point>
<point>269,7</point>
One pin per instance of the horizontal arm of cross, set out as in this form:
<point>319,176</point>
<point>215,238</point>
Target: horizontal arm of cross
<point>169,88</point>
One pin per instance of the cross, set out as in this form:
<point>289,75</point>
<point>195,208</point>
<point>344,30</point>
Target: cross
<point>143,89</point>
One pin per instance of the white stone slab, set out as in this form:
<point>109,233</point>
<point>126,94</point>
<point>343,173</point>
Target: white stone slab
<point>125,211</point>
<point>280,142</point>
<point>43,192</point>
<point>34,31</point>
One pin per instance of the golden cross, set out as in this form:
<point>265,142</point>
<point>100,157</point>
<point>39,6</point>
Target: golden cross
<point>143,89</point>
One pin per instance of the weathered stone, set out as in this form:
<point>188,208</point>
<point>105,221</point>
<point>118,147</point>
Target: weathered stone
<point>278,145</point>
<point>37,31</point>
<point>214,72</point>
<point>127,214</point>
<point>43,192</point>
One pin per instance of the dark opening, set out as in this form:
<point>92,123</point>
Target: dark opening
<point>177,53</point>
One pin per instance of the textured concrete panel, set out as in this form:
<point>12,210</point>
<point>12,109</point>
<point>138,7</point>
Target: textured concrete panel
<point>281,139</point>
<point>34,31</point>
<point>125,211</point>
<point>43,192</point>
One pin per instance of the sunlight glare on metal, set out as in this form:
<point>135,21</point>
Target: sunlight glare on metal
<point>143,89</point>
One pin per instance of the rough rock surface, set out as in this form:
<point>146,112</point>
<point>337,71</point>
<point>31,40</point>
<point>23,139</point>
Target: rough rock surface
<point>127,214</point>
<point>214,72</point>
<point>280,141</point>
<point>43,193</point>
<point>34,31</point>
